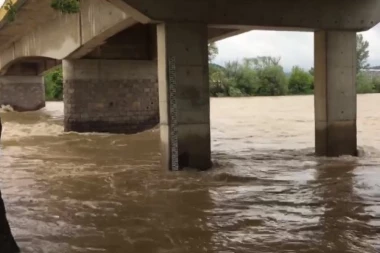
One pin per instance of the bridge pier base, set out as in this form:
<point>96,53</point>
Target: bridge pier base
<point>335,93</point>
<point>184,96</point>
<point>23,93</point>
<point>113,96</point>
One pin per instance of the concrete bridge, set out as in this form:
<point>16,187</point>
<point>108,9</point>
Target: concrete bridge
<point>118,55</point>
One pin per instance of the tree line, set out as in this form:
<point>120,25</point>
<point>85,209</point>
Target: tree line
<point>259,76</point>
<point>264,76</point>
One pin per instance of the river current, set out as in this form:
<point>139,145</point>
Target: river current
<point>72,193</point>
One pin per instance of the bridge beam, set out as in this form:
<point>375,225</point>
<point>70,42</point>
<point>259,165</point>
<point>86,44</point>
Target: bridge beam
<point>184,96</point>
<point>355,15</point>
<point>335,93</point>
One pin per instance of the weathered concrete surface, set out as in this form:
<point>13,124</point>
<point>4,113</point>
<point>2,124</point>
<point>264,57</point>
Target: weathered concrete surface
<point>354,15</point>
<point>114,96</point>
<point>139,42</point>
<point>12,31</point>
<point>184,95</point>
<point>23,93</point>
<point>54,35</point>
<point>135,43</point>
<point>219,33</point>
<point>31,66</point>
<point>335,93</point>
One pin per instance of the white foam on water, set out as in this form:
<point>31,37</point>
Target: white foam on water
<point>6,108</point>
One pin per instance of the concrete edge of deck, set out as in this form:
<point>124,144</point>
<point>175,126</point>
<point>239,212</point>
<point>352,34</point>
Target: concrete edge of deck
<point>4,12</point>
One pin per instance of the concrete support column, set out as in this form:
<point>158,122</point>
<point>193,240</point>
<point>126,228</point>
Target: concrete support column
<point>184,96</point>
<point>23,93</point>
<point>113,96</point>
<point>335,93</point>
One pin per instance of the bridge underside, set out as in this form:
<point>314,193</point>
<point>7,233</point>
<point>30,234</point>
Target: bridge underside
<point>354,15</point>
<point>147,63</point>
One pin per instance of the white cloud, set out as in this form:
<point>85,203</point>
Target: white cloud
<point>294,48</point>
<point>1,2</point>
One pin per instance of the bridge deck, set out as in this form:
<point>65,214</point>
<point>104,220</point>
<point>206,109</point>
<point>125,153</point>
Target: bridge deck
<point>30,14</point>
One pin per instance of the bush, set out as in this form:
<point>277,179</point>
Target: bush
<point>217,79</point>
<point>300,82</point>
<point>54,84</point>
<point>66,6</point>
<point>364,83</point>
<point>376,84</point>
<point>271,81</point>
<point>235,92</point>
<point>261,76</point>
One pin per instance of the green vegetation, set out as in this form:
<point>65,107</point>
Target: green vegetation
<point>300,81</point>
<point>11,11</point>
<point>212,51</point>
<point>362,52</point>
<point>364,82</point>
<point>264,76</point>
<point>367,84</point>
<point>66,6</point>
<point>261,76</point>
<point>54,84</point>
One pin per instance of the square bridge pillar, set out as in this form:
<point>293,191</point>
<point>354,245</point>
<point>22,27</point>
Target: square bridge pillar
<point>22,93</point>
<point>184,96</point>
<point>335,93</point>
<point>112,96</point>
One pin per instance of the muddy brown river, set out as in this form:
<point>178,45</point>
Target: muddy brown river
<point>73,193</point>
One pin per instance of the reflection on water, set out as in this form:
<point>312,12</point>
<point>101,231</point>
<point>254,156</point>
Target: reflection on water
<point>72,193</point>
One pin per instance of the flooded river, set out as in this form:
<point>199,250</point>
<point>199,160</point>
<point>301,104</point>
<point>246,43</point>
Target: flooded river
<point>72,193</point>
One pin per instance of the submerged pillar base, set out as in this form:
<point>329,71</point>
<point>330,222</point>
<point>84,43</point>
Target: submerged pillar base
<point>22,93</point>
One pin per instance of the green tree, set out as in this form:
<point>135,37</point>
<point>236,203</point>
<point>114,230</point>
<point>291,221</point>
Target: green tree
<point>271,78</point>
<point>54,84</point>
<point>233,76</point>
<point>271,81</point>
<point>218,81</point>
<point>300,82</point>
<point>262,62</point>
<point>311,71</point>
<point>262,76</point>
<point>212,51</point>
<point>248,78</point>
<point>362,53</point>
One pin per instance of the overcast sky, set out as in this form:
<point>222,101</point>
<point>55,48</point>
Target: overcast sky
<point>294,48</point>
